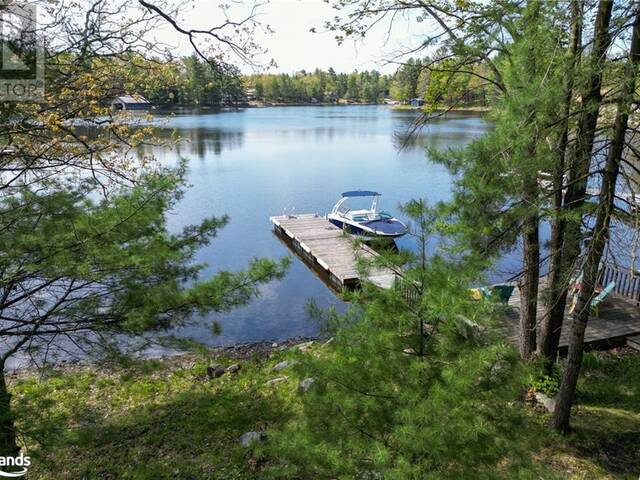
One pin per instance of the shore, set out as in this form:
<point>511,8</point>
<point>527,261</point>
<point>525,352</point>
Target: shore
<point>253,104</point>
<point>241,351</point>
<point>185,417</point>
<point>444,109</point>
<point>260,104</point>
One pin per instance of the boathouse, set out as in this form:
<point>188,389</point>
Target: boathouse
<point>130,102</point>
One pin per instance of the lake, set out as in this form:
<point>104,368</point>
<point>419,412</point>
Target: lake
<point>255,163</point>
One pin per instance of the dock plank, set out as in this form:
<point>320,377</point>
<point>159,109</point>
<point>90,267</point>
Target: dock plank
<point>329,247</point>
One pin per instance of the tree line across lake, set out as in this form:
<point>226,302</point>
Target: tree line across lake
<point>191,81</point>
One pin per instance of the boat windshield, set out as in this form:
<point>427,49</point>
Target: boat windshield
<point>369,216</point>
<point>381,216</point>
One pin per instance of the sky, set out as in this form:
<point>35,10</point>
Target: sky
<point>293,47</point>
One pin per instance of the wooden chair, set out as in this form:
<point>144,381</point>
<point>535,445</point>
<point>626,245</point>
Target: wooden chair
<point>502,293</point>
<point>476,294</point>
<point>596,301</point>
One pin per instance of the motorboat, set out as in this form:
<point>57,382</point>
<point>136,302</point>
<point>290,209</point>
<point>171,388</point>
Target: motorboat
<point>367,222</point>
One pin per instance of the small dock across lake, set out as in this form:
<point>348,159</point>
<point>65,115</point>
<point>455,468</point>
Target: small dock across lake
<point>329,251</point>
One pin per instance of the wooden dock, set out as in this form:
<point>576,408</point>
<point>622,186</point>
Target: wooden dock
<point>330,252</point>
<point>334,256</point>
<point>618,319</point>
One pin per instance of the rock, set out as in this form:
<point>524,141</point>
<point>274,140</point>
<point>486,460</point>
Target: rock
<point>328,342</point>
<point>469,329</point>
<point>250,437</point>
<point>499,369</point>
<point>215,371</point>
<point>547,402</point>
<point>273,381</point>
<point>303,347</point>
<point>284,364</point>
<point>274,345</point>
<point>370,475</point>
<point>233,368</point>
<point>306,384</point>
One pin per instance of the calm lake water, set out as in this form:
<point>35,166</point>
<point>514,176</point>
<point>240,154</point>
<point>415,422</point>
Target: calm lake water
<point>255,163</point>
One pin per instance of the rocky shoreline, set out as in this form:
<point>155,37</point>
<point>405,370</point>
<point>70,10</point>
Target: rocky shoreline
<point>260,351</point>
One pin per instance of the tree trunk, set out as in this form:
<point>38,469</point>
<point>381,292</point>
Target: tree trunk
<point>585,133</point>
<point>551,325</point>
<point>8,444</point>
<point>579,166</point>
<point>529,283</point>
<point>562,413</point>
<point>531,223</point>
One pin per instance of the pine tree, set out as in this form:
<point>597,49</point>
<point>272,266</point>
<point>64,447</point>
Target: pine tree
<point>574,205</point>
<point>407,389</point>
<point>600,234</point>
<point>86,253</point>
<point>551,325</point>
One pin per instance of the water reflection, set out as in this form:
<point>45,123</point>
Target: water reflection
<point>254,163</point>
<point>440,131</point>
<point>197,143</point>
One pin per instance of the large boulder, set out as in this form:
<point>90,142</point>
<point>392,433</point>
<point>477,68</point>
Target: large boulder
<point>304,347</point>
<point>328,342</point>
<point>468,329</point>
<point>284,364</point>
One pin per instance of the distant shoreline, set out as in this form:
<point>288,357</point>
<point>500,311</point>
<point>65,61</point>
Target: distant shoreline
<point>259,105</point>
<point>256,104</point>
<point>443,109</point>
<point>163,109</point>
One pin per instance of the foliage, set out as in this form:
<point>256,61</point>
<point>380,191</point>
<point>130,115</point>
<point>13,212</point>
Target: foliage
<point>83,217</point>
<point>493,172</point>
<point>153,420</point>
<point>444,85</point>
<point>320,86</point>
<point>404,85</point>
<point>191,81</point>
<point>543,381</point>
<point>114,260</point>
<point>552,120</point>
<point>417,389</point>
<point>87,254</point>
<point>162,419</point>
<point>185,81</point>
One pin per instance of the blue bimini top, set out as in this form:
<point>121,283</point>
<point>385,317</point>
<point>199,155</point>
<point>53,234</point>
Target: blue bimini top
<point>360,193</point>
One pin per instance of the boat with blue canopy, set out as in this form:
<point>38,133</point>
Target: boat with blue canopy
<point>368,222</point>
